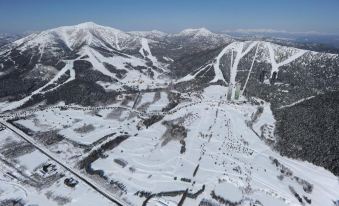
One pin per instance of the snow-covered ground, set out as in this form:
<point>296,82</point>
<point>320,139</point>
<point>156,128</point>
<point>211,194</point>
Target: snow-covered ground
<point>229,155</point>
<point>201,146</point>
<point>76,125</point>
<point>86,126</point>
<point>22,179</point>
<point>218,154</point>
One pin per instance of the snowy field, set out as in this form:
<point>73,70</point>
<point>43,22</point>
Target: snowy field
<point>231,160</point>
<point>24,180</point>
<point>153,140</point>
<point>207,150</point>
<point>86,126</point>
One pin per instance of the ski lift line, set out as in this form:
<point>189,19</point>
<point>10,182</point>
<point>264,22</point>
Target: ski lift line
<point>250,71</point>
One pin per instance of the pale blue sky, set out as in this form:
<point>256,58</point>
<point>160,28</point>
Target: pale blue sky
<point>174,15</point>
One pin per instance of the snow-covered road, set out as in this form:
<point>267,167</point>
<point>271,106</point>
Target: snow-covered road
<point>74,171</point>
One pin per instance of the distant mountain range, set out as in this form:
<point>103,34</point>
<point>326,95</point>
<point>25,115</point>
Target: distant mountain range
<point>8,38</point>
<point>93,65</point>
<point>315,40</point>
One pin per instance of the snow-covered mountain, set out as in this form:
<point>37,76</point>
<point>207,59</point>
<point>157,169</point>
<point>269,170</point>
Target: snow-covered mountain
<point>193,118</point>
<point>154,34</point>
<point>273,66</point>
<point>115,60</point>
<point>206,38</point>
<point>108,57</point>
<point>199,33</point>
<point>74,36</point>
<point>317,40</point>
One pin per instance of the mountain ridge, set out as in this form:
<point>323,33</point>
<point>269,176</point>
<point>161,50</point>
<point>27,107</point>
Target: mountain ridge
<point>220,115</point>
<point>95,41</point>
<point>89,64</point>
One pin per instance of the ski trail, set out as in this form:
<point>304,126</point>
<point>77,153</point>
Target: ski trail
<point>67,67</point>
<point>234,68</point>
<point>71,78</point>
<point>251,68</point>
<point>297,102</point>
<point>218,73</point>
<point>42,50</point>
<point>145,51</point>
<point>292,58</point>
<point>198,71</point>
<point>96,62</point>
<point>275,65</point>
<point>117,41</point>
<point>238,46</point>
<point>249,48</point>
<point>273,62</point>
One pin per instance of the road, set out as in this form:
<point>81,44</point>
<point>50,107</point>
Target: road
<point>22,114</point>
<point>75,172</point>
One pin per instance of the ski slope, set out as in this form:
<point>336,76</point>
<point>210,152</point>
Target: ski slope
<point>145,51</point>
<point>66,68</point>
<point>276,65</point>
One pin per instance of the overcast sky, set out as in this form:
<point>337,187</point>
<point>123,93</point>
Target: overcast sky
<point>172,15</point>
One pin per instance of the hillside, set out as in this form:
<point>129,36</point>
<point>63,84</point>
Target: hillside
<point>150,118</point>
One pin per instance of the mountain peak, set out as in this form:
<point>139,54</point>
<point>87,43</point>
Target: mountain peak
<point>74,35</point>
<point>87,24</point>
<point>199,32</point>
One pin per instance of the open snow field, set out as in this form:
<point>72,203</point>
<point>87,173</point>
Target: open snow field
<point>204,151</point>
<point>76,125</point>
<point>25,178</point>
<point>229,159</point>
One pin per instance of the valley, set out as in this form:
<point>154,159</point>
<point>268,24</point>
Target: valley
<point>94,115</point>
